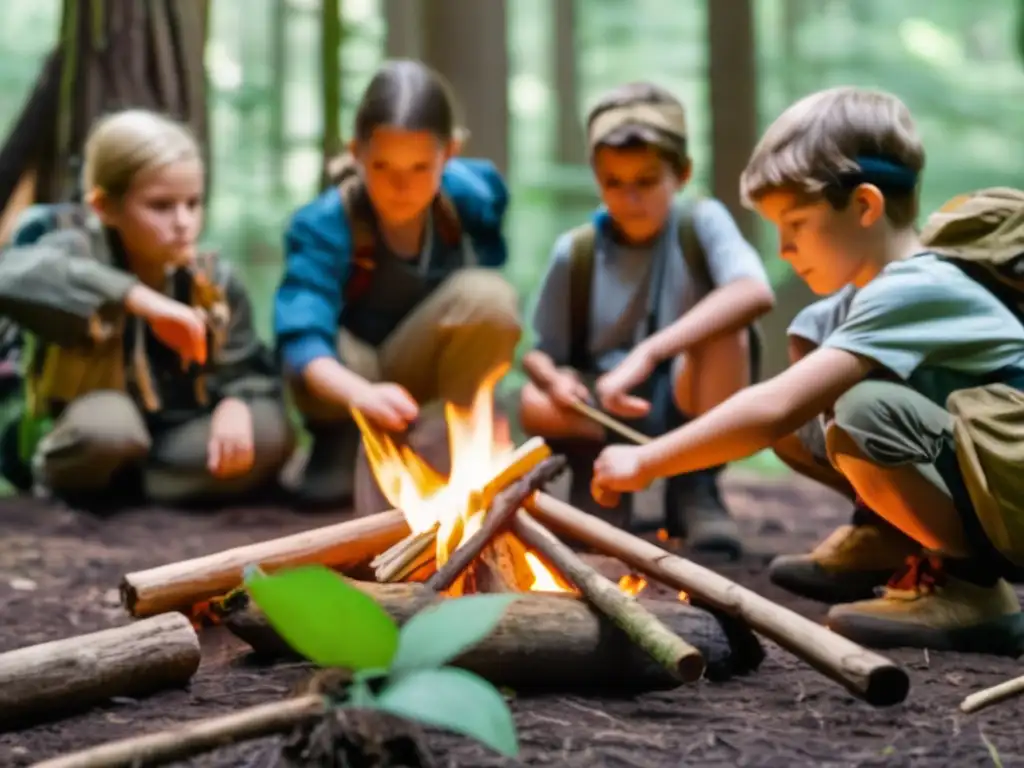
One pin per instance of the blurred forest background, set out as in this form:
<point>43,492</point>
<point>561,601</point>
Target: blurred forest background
<point>283,76</point>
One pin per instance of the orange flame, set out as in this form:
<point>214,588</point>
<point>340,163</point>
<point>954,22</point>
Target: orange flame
<point>632,584</point>
<point>452,503</point>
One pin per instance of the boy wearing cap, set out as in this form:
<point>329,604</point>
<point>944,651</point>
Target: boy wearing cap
<point>924,365</point>
<point>650,304</point>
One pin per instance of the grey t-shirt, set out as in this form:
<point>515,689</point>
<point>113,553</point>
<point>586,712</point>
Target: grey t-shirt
<point>928,323</point>
<point>620,301</point>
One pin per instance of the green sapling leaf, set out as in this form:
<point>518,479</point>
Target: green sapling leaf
<point>325,619</point>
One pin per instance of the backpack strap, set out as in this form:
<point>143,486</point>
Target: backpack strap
<point>582,247</point>
<point>691,246</point>
<point>358,212</point>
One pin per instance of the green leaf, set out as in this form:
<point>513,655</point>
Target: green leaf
<point>455,700</point>
<point>325,619</point>
<point>438,634</point>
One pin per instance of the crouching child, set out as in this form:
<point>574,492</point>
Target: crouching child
<point>144,372</point>
<point>392,296</point>
<point>920,381</point>
<point>650,305</point>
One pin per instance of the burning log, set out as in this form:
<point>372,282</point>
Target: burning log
<point>866,674</point>
<point>550,641</point>
<point>501,512</point>
<point>179,586</point>
<point>78,672</point>
<point>680,658</point>
<point>413,552</point>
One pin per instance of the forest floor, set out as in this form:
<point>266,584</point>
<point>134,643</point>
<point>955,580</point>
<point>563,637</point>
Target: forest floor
<point>59,572</point>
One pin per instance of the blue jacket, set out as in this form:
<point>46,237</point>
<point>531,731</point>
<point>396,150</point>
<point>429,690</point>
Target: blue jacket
<point>318,254</point>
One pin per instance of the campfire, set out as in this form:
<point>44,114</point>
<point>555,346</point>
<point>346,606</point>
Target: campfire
<point>445,512</point>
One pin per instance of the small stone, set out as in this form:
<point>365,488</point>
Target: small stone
<point>23,585</point>
<point>112,598</point>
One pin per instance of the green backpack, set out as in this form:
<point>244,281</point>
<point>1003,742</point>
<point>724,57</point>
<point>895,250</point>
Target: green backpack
<point>581,276</point>
<point>982,232</point>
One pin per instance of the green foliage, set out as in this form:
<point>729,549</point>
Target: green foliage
<point>324,619</point>
<point>334,624</point>
<point>427,640</point>
<point>456,700</point>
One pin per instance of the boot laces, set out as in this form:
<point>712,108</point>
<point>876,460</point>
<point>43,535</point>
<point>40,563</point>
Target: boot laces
<point>920,576</point>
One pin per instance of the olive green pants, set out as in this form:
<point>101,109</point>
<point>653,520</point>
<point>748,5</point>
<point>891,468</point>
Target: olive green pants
<point>892,425</point>
<point>441,351</point>
<point>103,433</point>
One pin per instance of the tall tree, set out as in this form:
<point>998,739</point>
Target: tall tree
<point>111,54</point>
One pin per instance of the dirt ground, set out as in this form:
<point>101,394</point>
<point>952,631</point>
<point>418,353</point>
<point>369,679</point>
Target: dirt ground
<point>59,571</point>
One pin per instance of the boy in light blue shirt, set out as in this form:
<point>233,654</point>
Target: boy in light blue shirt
<point>651,303</point>
<point>838,175</point>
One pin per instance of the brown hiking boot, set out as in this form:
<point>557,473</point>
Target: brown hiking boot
<point>925,607</point>
<point>849,565</point>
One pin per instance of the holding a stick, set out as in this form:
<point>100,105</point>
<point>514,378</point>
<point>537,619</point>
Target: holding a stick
<point>933,449</point>
<point>662,297</point>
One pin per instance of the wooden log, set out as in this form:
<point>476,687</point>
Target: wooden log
<point>189,739</point>
<point>864,673</point>
<point>70,675</point>
<point>676,655</point>
<point>988,696</point>
<point>179,586</point>
<point>547,641</point>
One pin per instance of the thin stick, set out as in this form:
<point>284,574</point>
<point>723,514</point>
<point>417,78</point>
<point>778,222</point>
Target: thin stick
<point>408,558</point>
<point>608,422</point>
<point>189,739</point>
<point>874,678</point>
<point>413,540</point>
<point>498,517</point>
<point>989,696</point>
<point>675,654</point>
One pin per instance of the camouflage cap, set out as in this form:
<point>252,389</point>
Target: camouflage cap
<point>663,125</point>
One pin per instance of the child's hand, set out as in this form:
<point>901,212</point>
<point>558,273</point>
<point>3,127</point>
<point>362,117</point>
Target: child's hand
<point>179,326</point>
<point>566,389</point>
<point>230,451</point>
<point>388,406</point>
<point>613,388</point>
<point>618,469</point>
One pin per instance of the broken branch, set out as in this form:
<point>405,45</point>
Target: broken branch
<point>671,651</point>
<point>989,696</point>
<point>190,739</point>
<point>502,509</point>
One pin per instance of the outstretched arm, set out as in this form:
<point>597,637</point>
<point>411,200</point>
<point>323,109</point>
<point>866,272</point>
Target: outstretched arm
<point>750,421</point>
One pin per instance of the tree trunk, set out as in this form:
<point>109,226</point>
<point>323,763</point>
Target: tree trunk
<point>112,54</point>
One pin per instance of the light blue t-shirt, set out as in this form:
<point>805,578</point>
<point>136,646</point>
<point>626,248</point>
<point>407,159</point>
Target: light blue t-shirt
<point>620,301</point>
<point>931,325</point>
